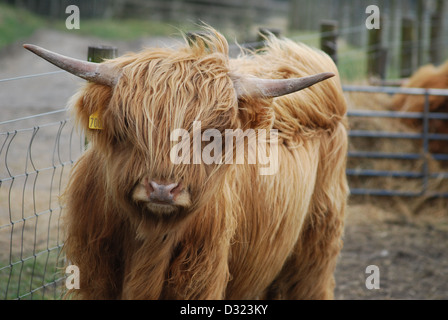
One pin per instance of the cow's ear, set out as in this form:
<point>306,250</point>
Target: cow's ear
<point>253,87</point>
<point>89,107</point>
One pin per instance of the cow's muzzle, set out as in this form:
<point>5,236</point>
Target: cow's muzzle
<point>161,196</point>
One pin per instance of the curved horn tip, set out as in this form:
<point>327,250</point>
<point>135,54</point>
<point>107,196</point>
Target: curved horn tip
<point>95,72</point>
<point>31,47</point>
<point>327,75</point>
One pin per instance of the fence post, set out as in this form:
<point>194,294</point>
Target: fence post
<point>407,52</point>
<point>193,36</point>
<point>264,33</point>
<point>436,39</point>
<point>421,9</point>
<point>98,54</point>
<point>376,55</point>
<point>295,21</point>
<point>328,38</point>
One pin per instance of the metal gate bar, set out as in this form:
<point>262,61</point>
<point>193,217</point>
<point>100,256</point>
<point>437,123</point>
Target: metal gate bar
<point>424,136</point>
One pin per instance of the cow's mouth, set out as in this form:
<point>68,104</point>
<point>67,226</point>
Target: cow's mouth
<point>161,196</point>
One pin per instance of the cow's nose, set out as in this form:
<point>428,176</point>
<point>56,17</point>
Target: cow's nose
<point>163,193</point>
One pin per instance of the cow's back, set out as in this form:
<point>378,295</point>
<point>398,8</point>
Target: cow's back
<point>278,210</point>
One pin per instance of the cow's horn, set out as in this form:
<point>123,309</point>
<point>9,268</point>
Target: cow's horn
<point>96,72</point>
<point>271,88</point>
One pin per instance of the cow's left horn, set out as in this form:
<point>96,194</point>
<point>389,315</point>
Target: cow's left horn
<point>271,88</point>
<point>96,72</point>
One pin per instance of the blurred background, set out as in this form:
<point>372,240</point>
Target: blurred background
<point>412,32</point>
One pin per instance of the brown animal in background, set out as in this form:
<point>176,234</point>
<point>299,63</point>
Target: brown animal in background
<point>141,227</point>
<point>427,76</point>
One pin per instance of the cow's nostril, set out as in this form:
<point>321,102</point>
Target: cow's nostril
<point>160,192</point>
<point>176,190</point>
<point>148,186</point>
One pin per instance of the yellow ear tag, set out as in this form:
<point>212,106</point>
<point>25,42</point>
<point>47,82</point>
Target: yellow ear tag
<point>95,121</point>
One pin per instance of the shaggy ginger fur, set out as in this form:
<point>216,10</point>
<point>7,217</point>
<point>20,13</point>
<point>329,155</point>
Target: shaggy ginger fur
<point>427,77</point>
<point>245,235</point>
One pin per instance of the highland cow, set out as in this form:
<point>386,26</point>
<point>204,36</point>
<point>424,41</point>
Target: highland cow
<point>427,77</point>
<point>141,227</point>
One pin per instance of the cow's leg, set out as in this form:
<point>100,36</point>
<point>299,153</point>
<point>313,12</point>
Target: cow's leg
<point>308,273</point>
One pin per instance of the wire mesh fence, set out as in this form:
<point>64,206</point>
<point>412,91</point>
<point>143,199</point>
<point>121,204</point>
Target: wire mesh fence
<point>35,160</point>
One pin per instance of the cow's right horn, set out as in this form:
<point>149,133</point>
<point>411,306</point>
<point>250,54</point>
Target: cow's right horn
<point>96,72</point>
<point>271,88</point>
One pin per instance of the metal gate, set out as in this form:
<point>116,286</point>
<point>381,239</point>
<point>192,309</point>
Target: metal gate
<point>425,174</point>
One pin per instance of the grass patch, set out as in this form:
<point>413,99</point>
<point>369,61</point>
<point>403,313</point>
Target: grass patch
<point>125,29</point>
<point>352,63</point>
<point>38,277</point>
<point>16,24</point>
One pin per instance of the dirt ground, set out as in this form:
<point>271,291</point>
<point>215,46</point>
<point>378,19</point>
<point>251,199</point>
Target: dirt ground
<point>407,241</point>
<point>408,246</point>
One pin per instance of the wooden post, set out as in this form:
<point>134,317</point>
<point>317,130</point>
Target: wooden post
<point>328,38</point>
<point>373,46</point>
<point>193,36</point>
<point>376,55</point>
<point>98,54</point>
<point>421,9</point>
<point>294,19</point>
<point>264,33</point>
<point>436,39</point>
<point>407,42</point>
